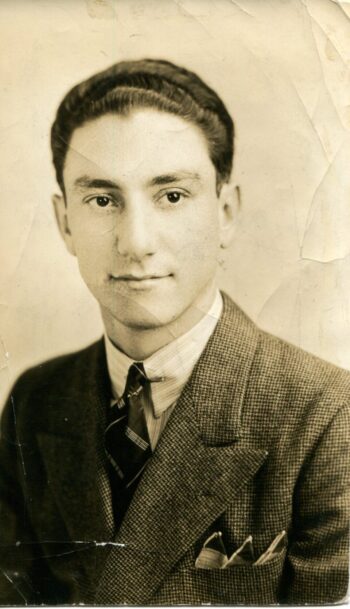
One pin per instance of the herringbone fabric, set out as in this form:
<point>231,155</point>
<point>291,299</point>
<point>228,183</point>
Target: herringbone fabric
<point>127,443</point>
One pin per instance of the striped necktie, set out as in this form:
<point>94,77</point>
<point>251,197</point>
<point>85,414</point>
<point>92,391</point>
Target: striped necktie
<point>127,443</point>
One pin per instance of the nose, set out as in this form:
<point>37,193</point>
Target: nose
<point>136,231</point>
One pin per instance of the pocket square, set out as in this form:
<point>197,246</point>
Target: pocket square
<point>243,556</point>
<point>275,547</point>
<point>214,556</point>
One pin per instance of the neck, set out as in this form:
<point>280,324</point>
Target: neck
<point>140,343</point>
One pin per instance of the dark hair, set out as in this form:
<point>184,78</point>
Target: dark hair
<point>146,83</point>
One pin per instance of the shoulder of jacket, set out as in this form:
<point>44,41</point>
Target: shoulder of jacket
<point>45,373</point>
<point>285,374</point>
<point>295,362</point>
<point>303,390</point>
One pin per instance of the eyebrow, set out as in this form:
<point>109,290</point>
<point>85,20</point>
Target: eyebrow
<point>172,178</point>
<point>86,181</point>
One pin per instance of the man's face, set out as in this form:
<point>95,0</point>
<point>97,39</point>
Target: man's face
<point>143,216</point>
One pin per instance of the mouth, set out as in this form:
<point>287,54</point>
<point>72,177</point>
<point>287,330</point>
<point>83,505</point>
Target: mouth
<point>139,282</point>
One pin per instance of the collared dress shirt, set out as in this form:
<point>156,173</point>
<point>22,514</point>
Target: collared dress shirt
<point>168,369</point>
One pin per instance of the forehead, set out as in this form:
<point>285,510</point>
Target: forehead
<point>143,143</point>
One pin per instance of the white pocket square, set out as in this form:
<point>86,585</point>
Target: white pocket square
<point>213,554</point>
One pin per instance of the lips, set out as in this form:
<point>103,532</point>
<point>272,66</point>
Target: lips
<point>139,278</point>
<point>139,282</point>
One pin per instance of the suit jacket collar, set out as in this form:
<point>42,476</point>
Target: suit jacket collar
<point>219,380</point>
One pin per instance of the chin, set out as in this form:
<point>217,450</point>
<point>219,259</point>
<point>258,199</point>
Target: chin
<point>141,324</point>
<point>137,317</point>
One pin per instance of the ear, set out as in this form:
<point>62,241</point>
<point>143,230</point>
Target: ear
<point>60,208</point>
<point>229,202</point>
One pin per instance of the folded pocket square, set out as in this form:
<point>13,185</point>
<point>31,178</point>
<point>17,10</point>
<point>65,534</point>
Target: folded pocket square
<point>275,547</point>
<point>214,556</point>
<point>243,556</point>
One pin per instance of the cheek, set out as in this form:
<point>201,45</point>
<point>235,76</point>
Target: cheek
<point>92,247</point>
<point>200,236</point>
<point>89,234</point>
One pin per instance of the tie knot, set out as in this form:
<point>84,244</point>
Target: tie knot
<point>136,378</point>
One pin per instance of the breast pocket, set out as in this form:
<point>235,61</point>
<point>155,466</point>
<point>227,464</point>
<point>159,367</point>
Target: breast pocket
<point>240,584</point>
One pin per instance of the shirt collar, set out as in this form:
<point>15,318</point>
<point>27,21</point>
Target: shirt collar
<point>170,367</point>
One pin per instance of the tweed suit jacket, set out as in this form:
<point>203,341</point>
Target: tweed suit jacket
<point>257,444</point>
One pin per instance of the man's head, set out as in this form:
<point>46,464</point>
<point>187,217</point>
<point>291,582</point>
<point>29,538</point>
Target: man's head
<point>143,155</point>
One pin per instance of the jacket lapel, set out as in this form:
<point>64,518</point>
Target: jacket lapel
<point>201,463</point>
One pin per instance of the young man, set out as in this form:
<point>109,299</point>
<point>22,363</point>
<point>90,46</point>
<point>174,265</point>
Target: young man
<point>186,457</point>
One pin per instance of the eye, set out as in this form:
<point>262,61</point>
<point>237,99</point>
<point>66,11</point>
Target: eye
<point>174,196</point>
<point>101,200</point>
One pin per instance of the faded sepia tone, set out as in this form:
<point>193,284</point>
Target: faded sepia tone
<point>281,67</point>
<point>169,443</point>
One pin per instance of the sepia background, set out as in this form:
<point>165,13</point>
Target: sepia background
<point>282,68</point>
